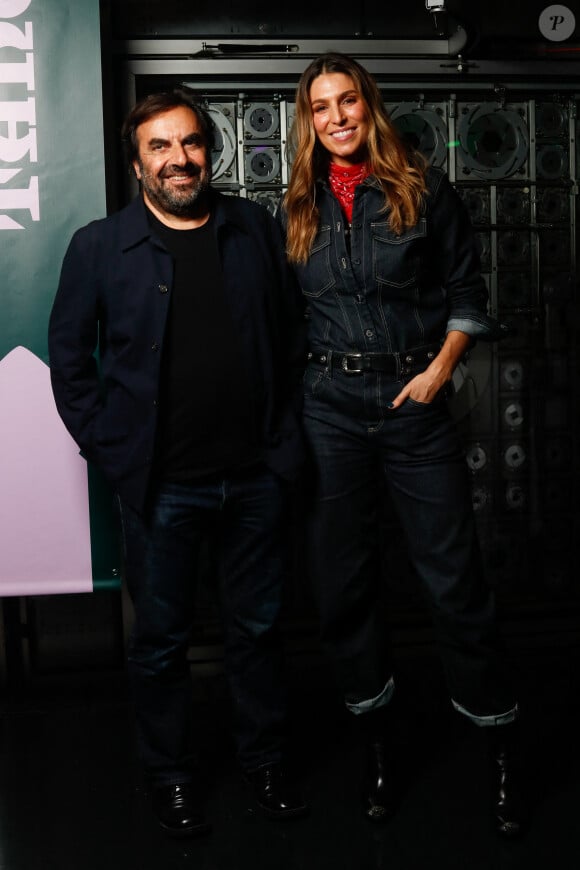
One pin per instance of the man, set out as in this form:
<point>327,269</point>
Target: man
<point>191,412</point>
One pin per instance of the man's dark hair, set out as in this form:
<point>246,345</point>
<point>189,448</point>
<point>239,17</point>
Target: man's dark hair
<point>156,104</point>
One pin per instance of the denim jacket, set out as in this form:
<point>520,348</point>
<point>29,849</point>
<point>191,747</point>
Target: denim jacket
<point>392,293</point>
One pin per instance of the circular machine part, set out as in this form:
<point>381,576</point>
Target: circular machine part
<point>261,120</point>
<point>515,496</point>
<point>476,457</point>
<point>224,150</point>
<point>552,162</point>
<point>513,205</point>
<point>514,456</point>
<point>513,414</point>
<point>476,201</point>
<point>512,374</point>
<point>513,248</point>
<point>262,164</point>
<point>424,129</point>
<point>553,206</point>
<point>493,141</point>
<point>551,120</point>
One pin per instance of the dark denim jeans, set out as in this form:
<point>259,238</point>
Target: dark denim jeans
<point>245,515</point>
<point>358,445</point>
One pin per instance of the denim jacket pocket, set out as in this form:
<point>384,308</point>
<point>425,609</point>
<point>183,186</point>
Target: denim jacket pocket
<point>396,258</point>
<point>316,276</point>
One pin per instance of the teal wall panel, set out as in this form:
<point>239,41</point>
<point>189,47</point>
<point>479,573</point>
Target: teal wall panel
<point>52,181</point>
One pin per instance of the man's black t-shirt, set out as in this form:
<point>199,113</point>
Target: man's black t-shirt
<point>207,422</point>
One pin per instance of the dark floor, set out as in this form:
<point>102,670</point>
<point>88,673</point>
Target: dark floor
<point>72,798</point>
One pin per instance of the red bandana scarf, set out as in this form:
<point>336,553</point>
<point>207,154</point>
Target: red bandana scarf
<point>343,180</point>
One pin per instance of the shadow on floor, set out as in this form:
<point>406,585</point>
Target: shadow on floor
<point>72,796</point>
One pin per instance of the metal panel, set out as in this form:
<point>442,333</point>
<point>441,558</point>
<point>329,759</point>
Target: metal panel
<point>507,134</point>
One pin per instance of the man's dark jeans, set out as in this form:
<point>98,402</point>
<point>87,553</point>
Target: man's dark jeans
<point>358,445</point>
<point>245,515</point>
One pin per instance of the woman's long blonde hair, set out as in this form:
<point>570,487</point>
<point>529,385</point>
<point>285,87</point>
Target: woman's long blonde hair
<point>400,172</point>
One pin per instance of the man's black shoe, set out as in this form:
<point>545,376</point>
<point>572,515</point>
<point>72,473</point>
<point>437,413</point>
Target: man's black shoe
<point>274,794</point>
<point>178,812</point>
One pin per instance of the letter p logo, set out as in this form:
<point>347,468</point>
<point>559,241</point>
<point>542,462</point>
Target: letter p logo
<point>557,23</point>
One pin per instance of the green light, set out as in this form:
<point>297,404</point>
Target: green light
<point>453,144</point>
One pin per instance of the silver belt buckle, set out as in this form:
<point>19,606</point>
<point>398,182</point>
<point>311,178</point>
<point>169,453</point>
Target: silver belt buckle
<point>344,364</point>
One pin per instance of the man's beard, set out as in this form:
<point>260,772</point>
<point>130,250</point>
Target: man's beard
<point>180,202</point>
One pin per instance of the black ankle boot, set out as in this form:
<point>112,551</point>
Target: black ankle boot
<point>507,801</point>
<point>378,797</point>
<point>275,794</point>
<point>379,794</point>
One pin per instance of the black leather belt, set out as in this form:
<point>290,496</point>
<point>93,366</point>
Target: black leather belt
<point>357,363</point>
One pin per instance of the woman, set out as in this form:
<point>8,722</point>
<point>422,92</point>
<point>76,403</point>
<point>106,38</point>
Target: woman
<point>386,259</point>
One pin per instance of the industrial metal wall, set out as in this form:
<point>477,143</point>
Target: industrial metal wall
<point>502,119</point>
<point>506,131</point>
<point>510,149</point>
<point>512,156</point>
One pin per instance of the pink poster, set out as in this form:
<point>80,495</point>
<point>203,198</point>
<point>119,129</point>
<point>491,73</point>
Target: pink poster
<point>45,542</point>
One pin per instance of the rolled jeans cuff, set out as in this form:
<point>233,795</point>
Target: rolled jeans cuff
<point>380,700</point>
<point>489,721</point>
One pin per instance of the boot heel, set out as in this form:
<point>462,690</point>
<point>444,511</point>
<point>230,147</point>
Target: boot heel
<point>378,797</point>
<point>508,808</point>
